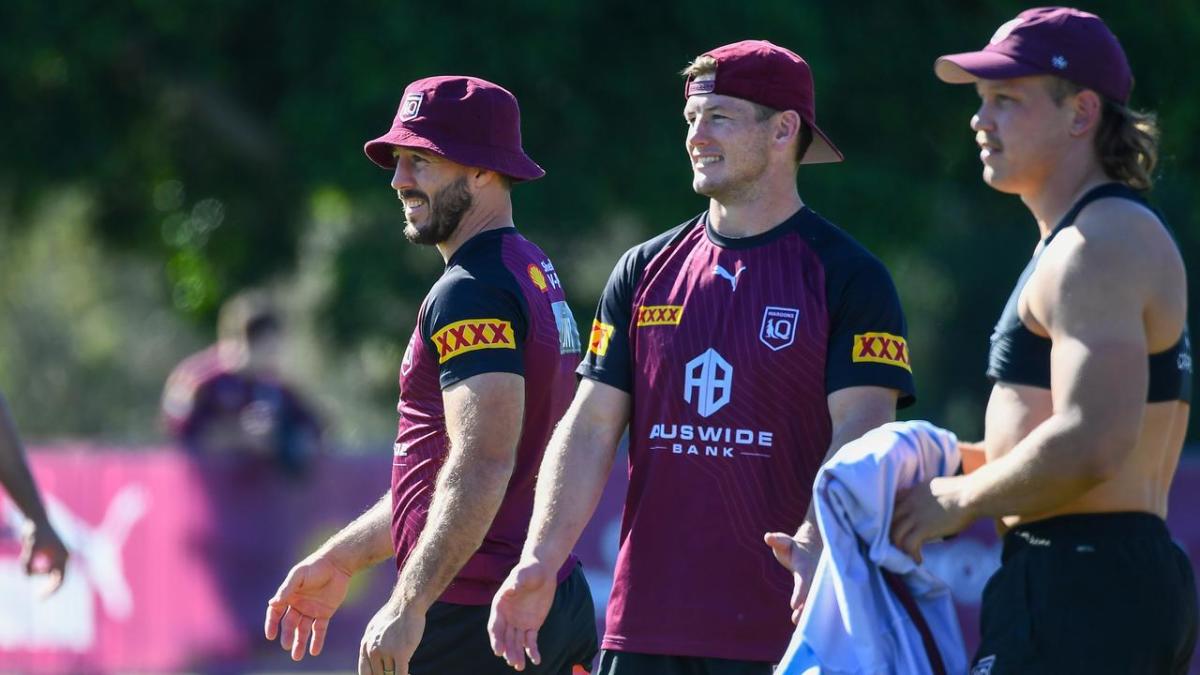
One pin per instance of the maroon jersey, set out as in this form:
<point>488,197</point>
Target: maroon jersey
<point>498,307</point>
<point>729,348</point>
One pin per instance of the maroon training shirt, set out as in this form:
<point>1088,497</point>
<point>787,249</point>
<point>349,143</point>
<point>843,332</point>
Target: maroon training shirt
<point>498,307</point>
<point>730,348</point>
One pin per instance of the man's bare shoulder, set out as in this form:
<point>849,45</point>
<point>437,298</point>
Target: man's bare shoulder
<point>1114,241</point>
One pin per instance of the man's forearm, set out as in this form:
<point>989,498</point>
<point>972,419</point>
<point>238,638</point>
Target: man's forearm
<point>366,541</point>
<point>14,471</point>
<point>571,480</point>
<point>849,430</point>
<point>1047,469</point>
<point>465,501</point>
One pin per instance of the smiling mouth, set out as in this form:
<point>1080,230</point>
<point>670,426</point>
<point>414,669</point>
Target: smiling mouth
<point>413,200</point>
<point>704,161</point>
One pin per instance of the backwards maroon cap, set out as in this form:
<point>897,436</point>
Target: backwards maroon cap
<point>464,119</point>
<point>769,75</point>
<point>1062,41</point>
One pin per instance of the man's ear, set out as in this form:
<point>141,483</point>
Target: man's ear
<point>1088,109</point>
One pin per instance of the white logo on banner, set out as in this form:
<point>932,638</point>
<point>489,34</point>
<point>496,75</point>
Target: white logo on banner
<point>710,379</point>
<point>67,619</point>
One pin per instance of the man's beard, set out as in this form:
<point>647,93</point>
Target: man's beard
<point>446,210</point>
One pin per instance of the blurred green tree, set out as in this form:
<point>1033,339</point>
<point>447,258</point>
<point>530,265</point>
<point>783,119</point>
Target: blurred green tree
<point>168,154</point>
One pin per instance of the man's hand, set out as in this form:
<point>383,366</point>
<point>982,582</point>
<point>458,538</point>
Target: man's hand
<point>799,554</point>
<point>303,605</point>
<point>390,640</point>
<point>519,610</point>
<point>42,552</point>
<point>927,511</point>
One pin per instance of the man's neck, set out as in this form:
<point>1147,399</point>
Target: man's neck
<point>751,215</point>
<point>481,218</point>
<point>1059,193</point>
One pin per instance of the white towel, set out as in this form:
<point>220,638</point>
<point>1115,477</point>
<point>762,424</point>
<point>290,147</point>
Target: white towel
<point>851,622</point>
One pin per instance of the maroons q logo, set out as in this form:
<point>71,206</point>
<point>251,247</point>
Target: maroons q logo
<point>411,106</point>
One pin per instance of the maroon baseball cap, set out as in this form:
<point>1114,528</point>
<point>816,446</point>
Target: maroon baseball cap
<point>1062,41</point>
<point>464,119</point>
<point>769,75</point>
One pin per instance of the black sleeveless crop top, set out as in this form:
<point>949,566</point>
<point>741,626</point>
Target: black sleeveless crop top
<point>1020,356</point>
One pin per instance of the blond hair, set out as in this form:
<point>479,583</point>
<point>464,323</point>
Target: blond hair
<point>1127,140</point>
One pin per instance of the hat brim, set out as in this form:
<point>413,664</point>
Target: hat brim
<point>822,150</point>
<point>517,166</point>
<point>969,67</point>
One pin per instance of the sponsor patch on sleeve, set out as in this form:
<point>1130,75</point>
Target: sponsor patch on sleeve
<point>601,335</point>
<point>659,315</point>
<point>470,335</point>
<point>883,348</point>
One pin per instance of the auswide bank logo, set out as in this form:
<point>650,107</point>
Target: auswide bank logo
<point>708,381</point>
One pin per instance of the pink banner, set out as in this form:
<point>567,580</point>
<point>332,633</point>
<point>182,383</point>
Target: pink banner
<point>173,560</point>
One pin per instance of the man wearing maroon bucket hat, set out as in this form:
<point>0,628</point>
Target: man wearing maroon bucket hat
<point>488,371</point>
<point>1091,369</point>
<point>739,348</point>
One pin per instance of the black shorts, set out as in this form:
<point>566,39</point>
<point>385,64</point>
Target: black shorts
<point>456,639</point>
<point>632,663</point>
<point>1089,593</point>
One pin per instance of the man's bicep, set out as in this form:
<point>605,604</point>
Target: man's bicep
<point>602,409</point>
<point>484,414</point>
<point>862,406</point>
<point>1098,361</point>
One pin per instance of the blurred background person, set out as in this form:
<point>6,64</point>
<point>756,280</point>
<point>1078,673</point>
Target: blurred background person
<point>231,398</point>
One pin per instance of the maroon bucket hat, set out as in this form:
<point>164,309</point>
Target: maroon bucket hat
<point>1061,41</point>
<point>769,75</point>
<point>464,119</point>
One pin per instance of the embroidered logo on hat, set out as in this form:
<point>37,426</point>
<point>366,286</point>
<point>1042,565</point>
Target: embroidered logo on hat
<point>411,106</point>
<point>1059,61</point>
<point>1005,30</point>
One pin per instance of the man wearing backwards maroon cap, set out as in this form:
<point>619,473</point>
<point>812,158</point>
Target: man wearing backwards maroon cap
<point>741,348</point>
<point>488,370</point>
<point>1090,364</point>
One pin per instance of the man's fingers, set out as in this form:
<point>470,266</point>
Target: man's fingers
<point>781,546</point>
<point>496,626</point>
<point>300,639</point>
<point>797,592</point>
<point>320,626</point>
<point>277,606</point>
<point>287,628</point>
<point>275,611</point>
<point>531,647</point>
<point>514,651</point>
<point>55,583</point>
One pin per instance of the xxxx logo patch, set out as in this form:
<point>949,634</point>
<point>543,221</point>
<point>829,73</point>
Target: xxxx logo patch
<point>461,337</point>
<point>881,348</point>
<point>601,336</point>
<point>659,315</point>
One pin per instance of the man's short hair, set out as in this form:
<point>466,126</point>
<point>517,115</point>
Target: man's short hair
<point>706,65</point>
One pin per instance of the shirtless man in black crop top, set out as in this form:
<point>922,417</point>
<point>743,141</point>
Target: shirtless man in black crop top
<point>1091,369</point>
